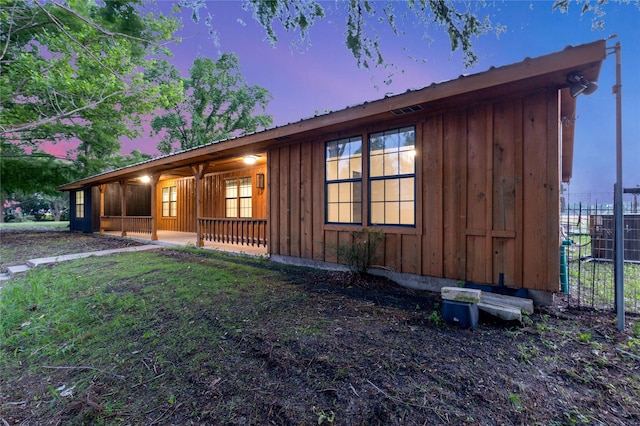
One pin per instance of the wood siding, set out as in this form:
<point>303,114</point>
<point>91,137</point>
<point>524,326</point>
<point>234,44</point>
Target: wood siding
<point>487,197</point>
<point>213,198</point>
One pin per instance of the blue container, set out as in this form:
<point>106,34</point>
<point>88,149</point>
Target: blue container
<point>463,313</point>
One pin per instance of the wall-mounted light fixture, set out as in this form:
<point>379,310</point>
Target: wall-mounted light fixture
<point>250,159</point>
<point>578,84</point>
<point>260,181</point>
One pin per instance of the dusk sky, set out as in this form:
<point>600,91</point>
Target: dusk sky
<point>324,76</point>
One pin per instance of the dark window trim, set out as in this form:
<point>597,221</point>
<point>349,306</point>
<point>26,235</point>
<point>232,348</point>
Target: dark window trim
<point>328,182</point>
<point>413,175</point>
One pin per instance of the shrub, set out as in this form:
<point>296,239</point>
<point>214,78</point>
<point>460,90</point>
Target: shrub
<point>359,254</point>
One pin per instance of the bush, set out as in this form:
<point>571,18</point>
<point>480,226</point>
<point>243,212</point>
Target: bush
<point>359,254</point>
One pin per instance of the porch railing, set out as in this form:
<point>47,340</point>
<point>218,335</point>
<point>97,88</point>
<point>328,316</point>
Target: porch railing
<point>134,224</point>
<point>251,232</point>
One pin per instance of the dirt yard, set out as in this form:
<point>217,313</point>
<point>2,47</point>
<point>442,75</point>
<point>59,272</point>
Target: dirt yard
<point>383,356</point>
<point>17,245</point>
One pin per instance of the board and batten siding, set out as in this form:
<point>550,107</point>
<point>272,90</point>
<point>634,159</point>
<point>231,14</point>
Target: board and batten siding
<point>213,198</point>
<point>487,196</point>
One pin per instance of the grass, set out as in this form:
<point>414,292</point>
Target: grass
<point>46,223</point>
<point>197,337</point>
<point>592,282</point>
<point>75,315</point>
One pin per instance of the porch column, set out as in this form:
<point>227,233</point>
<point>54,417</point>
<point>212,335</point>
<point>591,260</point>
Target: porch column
<point>101,188</point>
<point>123,206</point>
<point>198,172</point>
<point>154,223</point>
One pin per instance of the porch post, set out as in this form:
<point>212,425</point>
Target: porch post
<point>123,206</point>
<point>101,188</point>
<point>154,222</point>
<point>198,172</point>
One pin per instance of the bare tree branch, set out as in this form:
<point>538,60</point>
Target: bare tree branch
<point>62,115</point>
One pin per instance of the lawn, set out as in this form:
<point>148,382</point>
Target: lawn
<point>198,337</point>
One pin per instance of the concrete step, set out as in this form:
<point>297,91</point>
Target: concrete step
<point>33,263</point>
<point>17,269</point>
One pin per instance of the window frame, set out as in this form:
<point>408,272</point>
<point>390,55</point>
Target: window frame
<point>351,181</point>
<point>239,203</point>
<point>388,178</point>
<point>170,204</point>
<point>80,203</point>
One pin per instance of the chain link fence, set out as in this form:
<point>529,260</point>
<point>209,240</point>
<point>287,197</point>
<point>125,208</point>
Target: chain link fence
<point>587,254</point>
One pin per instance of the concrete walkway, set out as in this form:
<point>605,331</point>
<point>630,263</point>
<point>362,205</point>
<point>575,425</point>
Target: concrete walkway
<point>33,263</point>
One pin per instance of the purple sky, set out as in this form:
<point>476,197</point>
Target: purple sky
<point>324,76</point>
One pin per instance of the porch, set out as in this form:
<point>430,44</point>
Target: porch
<point>248,236</point>
<point>175,238</point>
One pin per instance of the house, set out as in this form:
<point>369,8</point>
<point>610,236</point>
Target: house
<point>463,177</point>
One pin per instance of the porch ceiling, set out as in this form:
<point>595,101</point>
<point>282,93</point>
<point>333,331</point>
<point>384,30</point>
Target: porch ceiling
<point>215,164</point>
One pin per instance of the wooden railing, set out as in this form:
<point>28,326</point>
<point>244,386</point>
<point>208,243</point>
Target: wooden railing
<point>135,224</point>
<point>251,232</point>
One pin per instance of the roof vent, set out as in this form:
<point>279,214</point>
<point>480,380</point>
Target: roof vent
<point>406,110</point>
<point>283,138</point>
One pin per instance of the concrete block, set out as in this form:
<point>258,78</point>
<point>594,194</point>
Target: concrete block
<point>459,294</point>
<point>525,305</point>
<point>504,312</point>
<point>18,269</point>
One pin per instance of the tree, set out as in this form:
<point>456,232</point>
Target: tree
<point>38,172</point>
<point>74,70</point>
<point>218,104</point>
<point>458,19</point>
<point>462,20</point>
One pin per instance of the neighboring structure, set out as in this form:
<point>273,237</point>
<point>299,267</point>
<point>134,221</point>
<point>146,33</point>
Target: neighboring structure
<point>602,229</point>
<point>463,177</point>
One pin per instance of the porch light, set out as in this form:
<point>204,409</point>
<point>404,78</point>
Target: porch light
<point>260,181</point>
<point>145,179</point>
<point>250,159</point>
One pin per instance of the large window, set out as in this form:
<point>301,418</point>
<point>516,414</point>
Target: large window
<point>344,180</point>
<point>392,177</point>
<point>170,201</point>
<point>79,204</point>
<point>238,197</point>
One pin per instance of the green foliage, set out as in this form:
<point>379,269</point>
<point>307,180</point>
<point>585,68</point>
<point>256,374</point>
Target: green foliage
<point>293,15</point>
<point>22,173</point>
<point>516,401</point>
<point>527,352</point>
<point>435,317</point>
<point>595,7</point>
<point>459,20</point>
<point>324,417</point>
<point>72,70</point>
<point>134,157</point>
<point>584,337</point>
<point>218,104</point>
<point>359,253</point>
